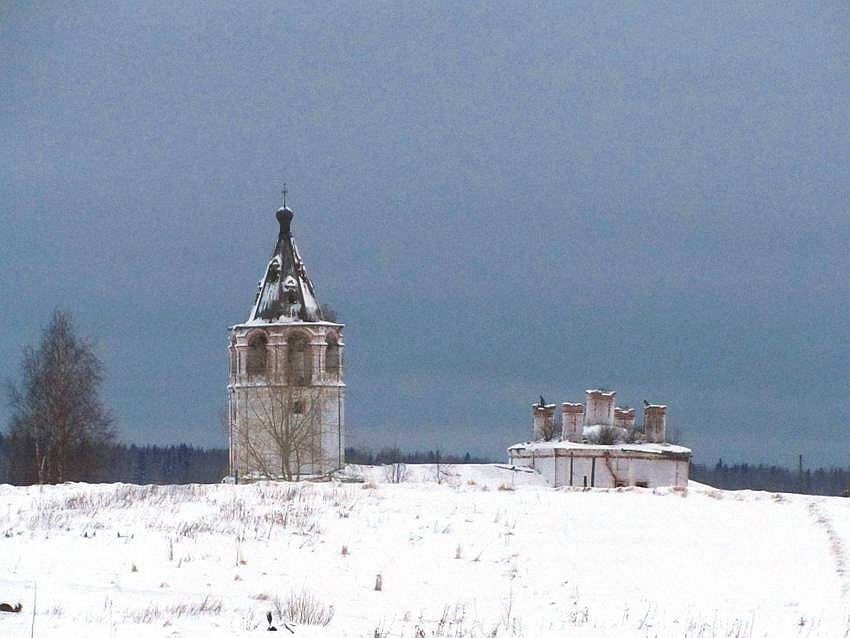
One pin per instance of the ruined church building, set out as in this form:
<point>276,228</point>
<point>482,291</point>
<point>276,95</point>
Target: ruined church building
<point>600,445</point>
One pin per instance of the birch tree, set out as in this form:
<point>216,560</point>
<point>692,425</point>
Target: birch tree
<point>59,429</point>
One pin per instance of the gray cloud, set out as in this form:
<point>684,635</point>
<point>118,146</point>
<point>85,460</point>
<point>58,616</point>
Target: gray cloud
<point>499,200</point>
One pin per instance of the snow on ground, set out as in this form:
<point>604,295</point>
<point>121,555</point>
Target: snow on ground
<point>486,552</point>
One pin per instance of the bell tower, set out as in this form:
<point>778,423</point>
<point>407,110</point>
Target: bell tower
<point>286,388</point>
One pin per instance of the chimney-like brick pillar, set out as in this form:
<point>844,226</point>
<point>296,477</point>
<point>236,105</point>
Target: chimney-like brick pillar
<point>624,418</point>
<point>600,407</point>
<point>544,420</point>
<point>655,423</point>
<point>572,417</point>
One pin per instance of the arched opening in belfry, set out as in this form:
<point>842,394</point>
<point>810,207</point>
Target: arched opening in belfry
<point>255,364</point>
<point>332,359</point>
<point>299,361</point>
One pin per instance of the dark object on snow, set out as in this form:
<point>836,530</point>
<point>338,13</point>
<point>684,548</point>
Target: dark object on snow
<point>542,402</point>
<point>269,618</point>
<point>645,402</point>
<point>7,607</point>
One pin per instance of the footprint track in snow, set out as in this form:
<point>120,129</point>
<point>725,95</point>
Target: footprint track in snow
<point>836,546</point>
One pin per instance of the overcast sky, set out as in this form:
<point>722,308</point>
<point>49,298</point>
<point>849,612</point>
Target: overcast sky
<point>499,200</point>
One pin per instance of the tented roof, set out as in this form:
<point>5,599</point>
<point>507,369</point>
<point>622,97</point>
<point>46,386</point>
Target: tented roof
<point>285,292</point>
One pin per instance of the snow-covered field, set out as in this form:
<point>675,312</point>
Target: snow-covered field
<point>466,557</point>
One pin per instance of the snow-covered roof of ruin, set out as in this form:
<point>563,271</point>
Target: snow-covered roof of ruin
<point>650,448</point>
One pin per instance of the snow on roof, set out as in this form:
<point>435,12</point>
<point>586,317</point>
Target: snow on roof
<point>253,323</point>
<point>650,448</point>
<point>286,293</point>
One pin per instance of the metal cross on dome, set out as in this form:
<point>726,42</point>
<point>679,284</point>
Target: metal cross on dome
<point>284,192</point>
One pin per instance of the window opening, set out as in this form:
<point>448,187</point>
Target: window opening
<point>256,363</point>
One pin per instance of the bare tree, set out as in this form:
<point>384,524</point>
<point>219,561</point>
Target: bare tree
<point>329,314</point>
<point>674,435</point>
<point>60,429</point>
<point>608,435</point>
<point>282,434</point>
<point>550,430</point>
<point>395,472</point>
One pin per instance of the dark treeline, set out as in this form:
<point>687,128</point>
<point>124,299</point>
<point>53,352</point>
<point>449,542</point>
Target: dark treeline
<point>166,464</point>
<point>363,456</point>
<point>187,464</point>
<point>772,478</point>
<point>131,464</point>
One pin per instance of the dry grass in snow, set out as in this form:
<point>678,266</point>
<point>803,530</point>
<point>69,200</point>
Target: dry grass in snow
<point>485,553</point>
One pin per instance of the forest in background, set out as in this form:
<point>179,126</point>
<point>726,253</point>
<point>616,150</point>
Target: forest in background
<point>158,464</point>
<point>145,464</point>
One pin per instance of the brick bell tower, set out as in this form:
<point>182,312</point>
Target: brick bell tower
<point>286,389</point>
